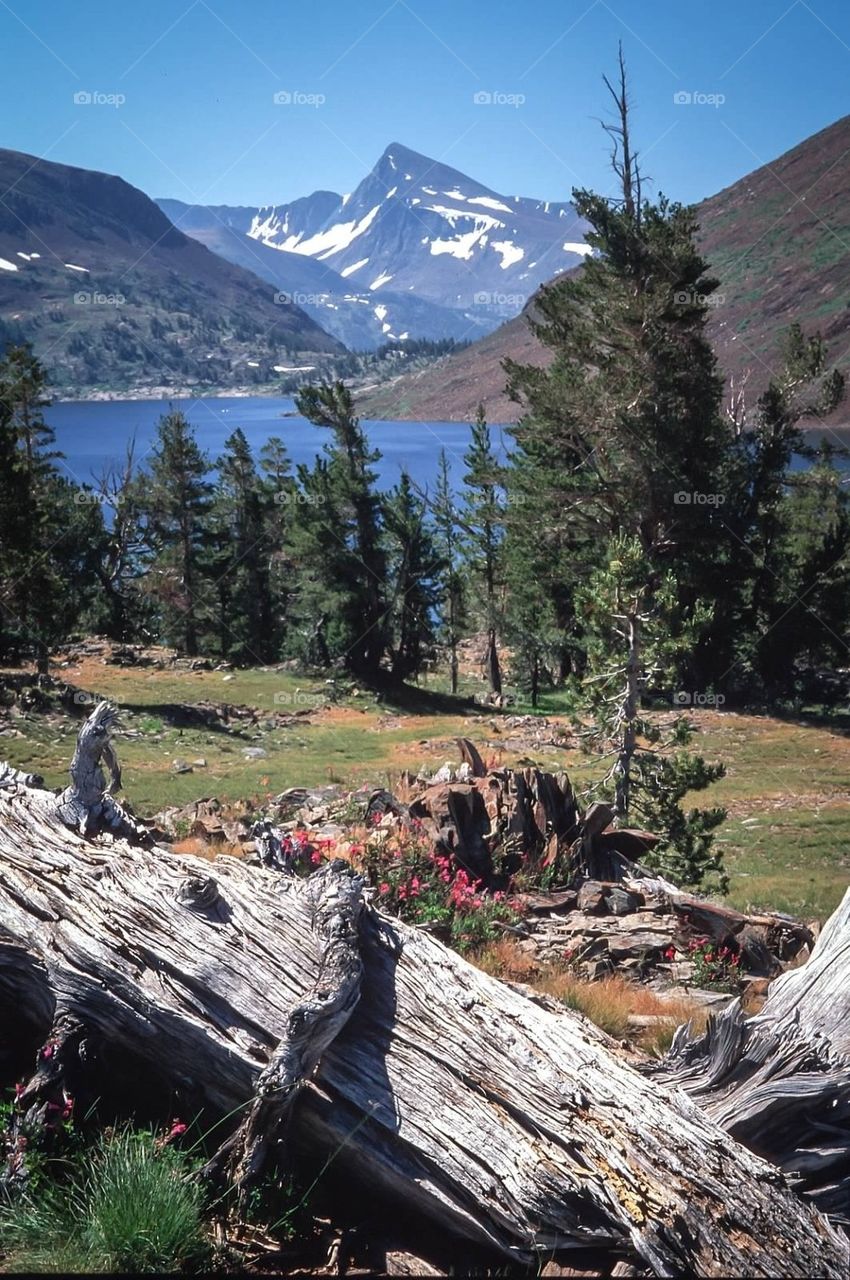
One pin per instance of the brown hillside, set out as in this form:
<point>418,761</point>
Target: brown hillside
<point>778,240</point>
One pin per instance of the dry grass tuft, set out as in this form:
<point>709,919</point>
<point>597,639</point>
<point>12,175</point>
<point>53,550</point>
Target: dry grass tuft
<point>608,1002</point>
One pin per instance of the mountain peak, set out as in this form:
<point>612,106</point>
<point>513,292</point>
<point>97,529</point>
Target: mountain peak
<point>401,162</point>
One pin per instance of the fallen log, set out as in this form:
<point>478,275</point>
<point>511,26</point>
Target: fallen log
<point>499,1122</point>
<point>780,1082</point>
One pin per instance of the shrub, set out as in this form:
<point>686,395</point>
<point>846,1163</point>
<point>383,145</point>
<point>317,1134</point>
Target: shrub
<point>131,1205</point>
<point>715,967</point>
<point>423,886</point>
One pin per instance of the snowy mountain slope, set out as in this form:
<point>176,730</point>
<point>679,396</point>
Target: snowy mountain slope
<point>353,315</point>
<point>417,225</point>
<point>413,228</point>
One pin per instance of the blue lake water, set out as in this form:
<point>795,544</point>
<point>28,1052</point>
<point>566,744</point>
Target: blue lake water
<point>94,434</point>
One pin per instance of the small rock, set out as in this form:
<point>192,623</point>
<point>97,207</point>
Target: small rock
<point>620,902</point>
<point>200,763</point>
<point>180,766</point>
<point>254,753</point>
<point>591,897</point>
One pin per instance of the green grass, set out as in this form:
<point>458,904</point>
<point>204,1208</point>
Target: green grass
<point>126,1207</point>
<point>797,861</point>
<point>787,787</point>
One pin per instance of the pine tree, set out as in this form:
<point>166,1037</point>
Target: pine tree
<point>241,564</point>
<point>51,530</point>
<point>632,647</point>
<point>482,522</point>
<point>413,572</point>
<point>124,611</point>
<point>795,560</point>
<point>450,579</point>
<point>176,497</point>
<point>337,533</point>
<point>622,430</point>
<point>281,495</point>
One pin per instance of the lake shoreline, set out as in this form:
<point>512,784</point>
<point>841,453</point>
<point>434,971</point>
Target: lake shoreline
<point>154,395</point>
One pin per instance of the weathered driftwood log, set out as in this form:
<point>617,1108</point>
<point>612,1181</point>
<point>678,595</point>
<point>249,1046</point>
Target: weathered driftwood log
<point>780,1082</point>
<point>496,1119</point>
<point>88,803</point>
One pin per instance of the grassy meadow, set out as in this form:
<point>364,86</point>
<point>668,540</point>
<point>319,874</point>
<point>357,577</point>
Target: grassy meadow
<point>787,789</point>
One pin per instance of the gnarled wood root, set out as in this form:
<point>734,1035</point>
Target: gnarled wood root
<point>335,896</point>
<point>780,1082</point>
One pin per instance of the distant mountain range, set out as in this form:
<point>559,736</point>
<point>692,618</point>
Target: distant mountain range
<point>418,250</point>
<point>113,296</point>
<point>779,242</point>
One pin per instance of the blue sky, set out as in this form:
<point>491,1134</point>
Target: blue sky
<point>198,120</point>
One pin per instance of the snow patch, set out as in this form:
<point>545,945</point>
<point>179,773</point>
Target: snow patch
<point>345,199</point>
<point>355,266</point>
<point>489,203</point>
<point>333,240</point>
<point>381,281</point>
<point>574,247</point>
<point>510,252</point>
<point>72,267</point>
<point>6,265</point>
<point>463,245</point>
<point>381,311</point>
<point>390,194</point>
<point>429,191</point>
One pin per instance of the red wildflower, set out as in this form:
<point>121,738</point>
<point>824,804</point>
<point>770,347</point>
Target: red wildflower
<point>384,887</point>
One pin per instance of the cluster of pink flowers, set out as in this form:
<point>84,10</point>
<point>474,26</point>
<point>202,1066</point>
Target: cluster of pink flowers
<point>464,894</point>
<point>410,890</point>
